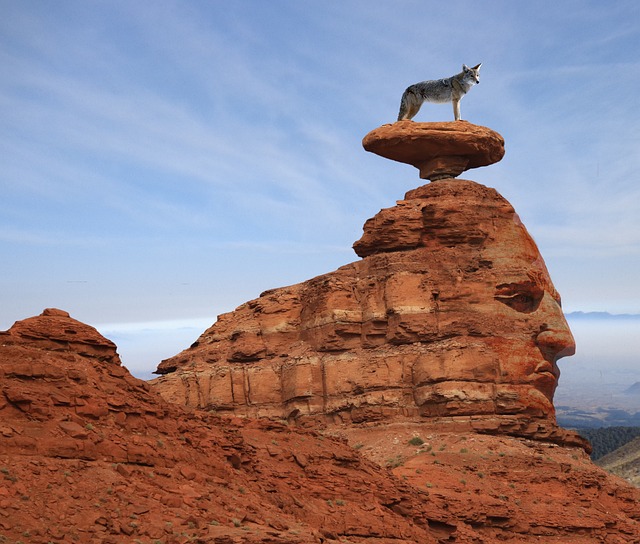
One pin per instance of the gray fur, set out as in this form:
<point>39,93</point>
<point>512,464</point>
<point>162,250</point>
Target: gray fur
<point>439,91</point>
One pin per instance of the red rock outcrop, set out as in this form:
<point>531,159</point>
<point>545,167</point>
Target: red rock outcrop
<point>448,330</point>
<point>429,367</point>
<point>90,454</point>
<point>491,488</point>
<point>450,315</point>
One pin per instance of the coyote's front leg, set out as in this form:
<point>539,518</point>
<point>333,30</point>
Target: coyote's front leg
<point>456,108</point>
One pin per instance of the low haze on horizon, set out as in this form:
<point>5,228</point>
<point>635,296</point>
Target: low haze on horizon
<point>162,163</point>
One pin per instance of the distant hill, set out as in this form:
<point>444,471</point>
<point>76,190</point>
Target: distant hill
<point>633,390</point>
<point>624,462</point>
<point>600,315</point>
<point>575,418</point>
<point>608,440</point>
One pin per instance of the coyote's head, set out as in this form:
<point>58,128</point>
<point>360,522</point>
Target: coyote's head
<point>472,74</point>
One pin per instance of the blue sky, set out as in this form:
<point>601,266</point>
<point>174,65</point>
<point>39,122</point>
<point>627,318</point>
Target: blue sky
<point>163,162</point>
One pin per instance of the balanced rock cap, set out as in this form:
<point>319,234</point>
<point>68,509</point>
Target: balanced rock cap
<point>438,150</point>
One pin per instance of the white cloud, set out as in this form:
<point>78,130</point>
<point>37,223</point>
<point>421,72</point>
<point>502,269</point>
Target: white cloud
<point>143,345</point>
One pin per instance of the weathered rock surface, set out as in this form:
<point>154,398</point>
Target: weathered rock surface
<point>450,316</point>
<point>435,355</point>
<point>90,454</point>
<point>438,150</point>
<point>492,489</point>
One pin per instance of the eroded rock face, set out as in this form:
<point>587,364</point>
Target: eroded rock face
<point>434,357</point>
<point>482,488</point>
<point>55,330</point>
<point>451,314</point>
<point>90,454</point>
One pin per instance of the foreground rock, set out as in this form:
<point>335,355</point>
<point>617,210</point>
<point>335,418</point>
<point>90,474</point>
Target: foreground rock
<point>90,454</point>
<point>491,488</point>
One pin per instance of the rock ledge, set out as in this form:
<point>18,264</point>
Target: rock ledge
<point>438,150</point>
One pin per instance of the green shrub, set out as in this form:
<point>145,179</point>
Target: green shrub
<point>394,462</point>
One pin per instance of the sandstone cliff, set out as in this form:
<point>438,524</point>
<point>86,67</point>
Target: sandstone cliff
<point>450,317</point>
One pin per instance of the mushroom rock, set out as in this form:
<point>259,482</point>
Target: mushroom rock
<point>438,150</point>
<point>434,355</point>
<point>449,318</point>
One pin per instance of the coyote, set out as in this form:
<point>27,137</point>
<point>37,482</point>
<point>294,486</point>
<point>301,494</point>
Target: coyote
<point>451,89</point>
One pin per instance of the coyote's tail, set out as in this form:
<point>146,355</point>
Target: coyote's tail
<point>402,114</point>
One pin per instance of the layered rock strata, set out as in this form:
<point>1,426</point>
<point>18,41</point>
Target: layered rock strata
<point>450,316</point>
<point>90,454</point>
<point>435,355</point>
<point>427,355</point>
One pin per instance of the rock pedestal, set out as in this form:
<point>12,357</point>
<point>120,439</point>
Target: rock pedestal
<point>435,354</point>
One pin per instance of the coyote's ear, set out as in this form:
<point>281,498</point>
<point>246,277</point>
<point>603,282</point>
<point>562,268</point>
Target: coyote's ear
<point>477,67</point>
<point>465,68</point>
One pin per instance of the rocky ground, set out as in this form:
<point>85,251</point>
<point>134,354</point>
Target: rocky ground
<point>500,488</point>
<point>90,454</point>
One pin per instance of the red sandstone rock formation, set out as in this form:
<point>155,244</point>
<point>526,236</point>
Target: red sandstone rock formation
<point>449,328</point>
<point>488,488</point>
<point>435,356</point>
<point>438,150</point>
<point>90,454</point>
<point>450,314</point>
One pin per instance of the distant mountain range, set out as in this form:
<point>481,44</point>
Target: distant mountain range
<point>624,462</point>
<point>601,315</point>
<point>585,418</point>
<point>634,390</point>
